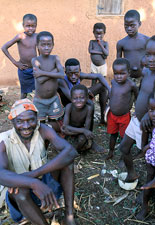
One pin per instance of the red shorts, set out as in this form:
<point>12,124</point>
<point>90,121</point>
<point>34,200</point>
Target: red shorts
<point>117,124</point>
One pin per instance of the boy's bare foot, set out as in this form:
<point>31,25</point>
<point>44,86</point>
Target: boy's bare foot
<point>97,148</point>
<point>142,214</point>
<point>149,185</point>
<point>110,155</point>
<point>69,220</point>
<point>131,178</point>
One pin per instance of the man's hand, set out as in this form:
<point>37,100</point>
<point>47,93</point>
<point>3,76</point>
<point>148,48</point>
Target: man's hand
<point>45,194</point>
<point>21,66</point>
<point>146,124</point>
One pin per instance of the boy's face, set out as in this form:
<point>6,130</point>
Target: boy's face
<point>120,73</point>
<point>150,55</point>
<point>152,110</point>
<point>99,34</point>
<point>45,45</point>
<point>29,26</point>
<point>131,26</point>
<point>73,73</point>
<point>79,98</point>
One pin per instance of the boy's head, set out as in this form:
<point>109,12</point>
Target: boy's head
<point>72,70</point>
<point>29,23</point>
<point>150,53</point>
<point>132,22</point>
<point>79,96</point>
<point>99,30</point>
<point>121,69</point>
<point>45,43</point>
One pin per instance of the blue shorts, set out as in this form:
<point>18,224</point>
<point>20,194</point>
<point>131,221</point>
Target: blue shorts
<point>15,213</point>
<point>26,80</point>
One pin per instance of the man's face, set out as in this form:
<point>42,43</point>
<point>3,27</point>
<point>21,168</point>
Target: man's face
<point>73,73</point>
<point>29,26</point>
<point>131,26</point>
<point>45,45</point>
<point>25,124</point>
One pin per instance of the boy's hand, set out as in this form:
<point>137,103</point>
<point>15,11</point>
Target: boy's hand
<point>88,134</point>
<point>37,72</point>
<point>146,124</point>
<point>21,66</point>
<point>45,194</point>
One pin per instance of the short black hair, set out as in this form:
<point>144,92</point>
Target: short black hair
<point>29,17</point>
<point>132,14</point>
<point>99,26</point>
<point>79,87</point>
<point>44,33</point>
<point>72,62</point>
<point>121,61</point>
<point>150,39</point>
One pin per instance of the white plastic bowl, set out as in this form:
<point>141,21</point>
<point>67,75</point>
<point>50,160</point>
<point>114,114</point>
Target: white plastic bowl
<point>125,185</point>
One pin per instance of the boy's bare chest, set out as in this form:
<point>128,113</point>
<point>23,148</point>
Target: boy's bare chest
<point>28,43</point>
<point>134,45</point>
<point>47,64</point>
<point>78,117</point>
<point>120,90</point>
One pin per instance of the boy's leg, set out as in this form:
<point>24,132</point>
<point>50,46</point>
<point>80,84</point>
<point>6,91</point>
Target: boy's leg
<point>125,148</point>
<point>113,138</point>
<point>146,193</point>
<point>149,185</point>
<point>28,208</point>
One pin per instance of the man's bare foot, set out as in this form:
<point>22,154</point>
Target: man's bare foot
<point>142,214</point>
<point>149,185</point>
<point>69,220</point>
<point>131,178</point>
<point>110,155</point>
<point>97,148</point>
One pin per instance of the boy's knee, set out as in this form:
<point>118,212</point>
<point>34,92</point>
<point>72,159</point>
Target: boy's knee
<point>22,195</point>
<point>81,139</point>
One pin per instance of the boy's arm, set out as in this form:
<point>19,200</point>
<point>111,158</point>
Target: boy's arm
<point>64,88</point>
<point>135,90</point>
<point>92,51</point>
<point>94,76</point>
<point>105,49</point>
<point>119,50</point>
<point>145,146</point>
<point>7,45</point>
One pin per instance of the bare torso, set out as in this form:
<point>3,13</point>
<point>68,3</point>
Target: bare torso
<point>80,114</point>
<point>133,48</point>
<point>27,48</point>
<point>147,87</point>
<point>48,89</point>
<point>121,97</point>
<point>98,59</point>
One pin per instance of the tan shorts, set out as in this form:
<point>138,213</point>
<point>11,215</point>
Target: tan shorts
<point>133,131</point>
<point>99,69</point>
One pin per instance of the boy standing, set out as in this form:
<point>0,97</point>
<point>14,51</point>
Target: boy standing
<point>133,132</point>
<point>132,46</point>
<point>26,43</point>
<point>47,69</point>
<point>120,102</point>
<point>79,129</point>
<point>99,51</point>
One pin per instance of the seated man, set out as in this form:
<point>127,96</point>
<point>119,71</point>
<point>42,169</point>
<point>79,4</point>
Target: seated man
<point>74,77</point>
<point>24,168</point>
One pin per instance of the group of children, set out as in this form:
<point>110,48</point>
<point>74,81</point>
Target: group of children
<point>134,79</point>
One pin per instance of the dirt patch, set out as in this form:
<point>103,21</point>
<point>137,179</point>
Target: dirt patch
<point>93,192</point>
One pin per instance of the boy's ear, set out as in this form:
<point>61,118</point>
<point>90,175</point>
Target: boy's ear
<point>140,23</point>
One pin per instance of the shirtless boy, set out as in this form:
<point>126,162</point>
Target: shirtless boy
<point>132,46</point>
<point>26,43</point>
<point>34,181</point>
<point>133,132</point>
<point>120,102</point>
<point>79,129</point>
<point>74,76</point>
<point>47,69</point>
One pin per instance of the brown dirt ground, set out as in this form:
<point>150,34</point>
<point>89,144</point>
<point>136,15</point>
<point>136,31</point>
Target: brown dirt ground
<point>91,193</point>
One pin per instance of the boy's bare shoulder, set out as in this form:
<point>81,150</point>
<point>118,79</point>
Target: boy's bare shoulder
<point>123,41</point>
<point>142,36</point>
